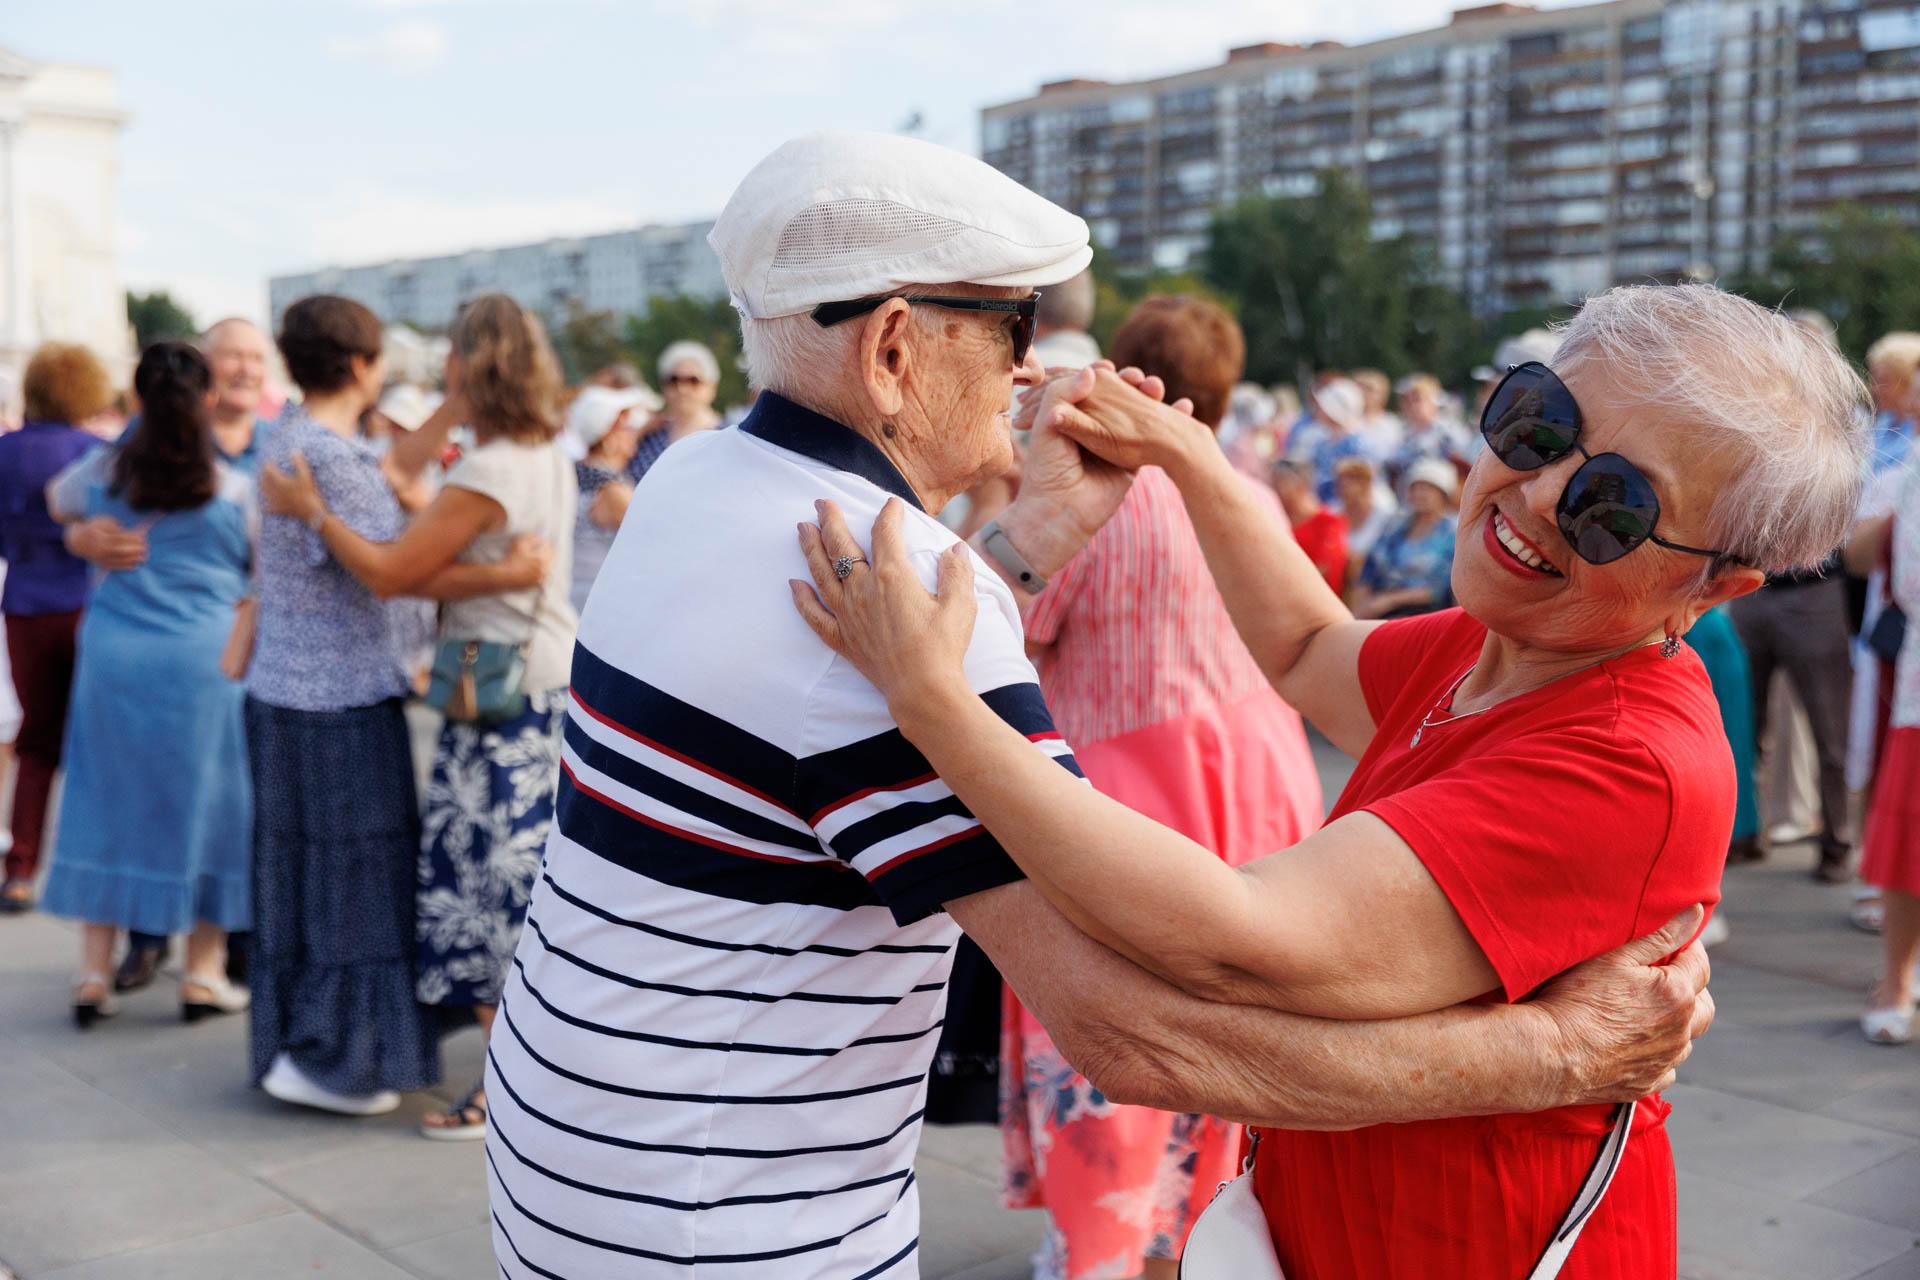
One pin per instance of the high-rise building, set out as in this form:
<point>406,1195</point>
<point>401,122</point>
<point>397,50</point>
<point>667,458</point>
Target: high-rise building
<point>1540,154</point>
<point>59,157</point>
<point>618,272</point>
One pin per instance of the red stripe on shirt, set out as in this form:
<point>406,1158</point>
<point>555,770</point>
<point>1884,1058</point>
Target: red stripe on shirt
<point>683,834</point>
<point>670,753</point>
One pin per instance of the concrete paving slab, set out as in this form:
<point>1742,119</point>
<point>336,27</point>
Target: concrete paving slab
<point>1767,1148</point>
<point>392,1190</point>
<point>1729,1232</point>
<point>1894,1104</point>
<point>1888,1193</point>
<point>290,1245</point>
<point>112,1203</point>
<point>1805,1066</point>
<point>964,1226</point>
<point>465,1254</point>
<point>1904,1267</point>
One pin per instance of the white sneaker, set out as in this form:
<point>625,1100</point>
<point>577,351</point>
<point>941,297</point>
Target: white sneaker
<point>1888,1026</point>
<point>1716,931</point>
<point>287,1082</point>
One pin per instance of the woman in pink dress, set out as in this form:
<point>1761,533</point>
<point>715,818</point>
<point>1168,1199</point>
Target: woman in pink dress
<point>1168,714</point>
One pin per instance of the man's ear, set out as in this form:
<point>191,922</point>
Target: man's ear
<point>885,353</point>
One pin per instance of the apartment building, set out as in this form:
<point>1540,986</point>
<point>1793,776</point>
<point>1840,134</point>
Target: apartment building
<point>1540,154</point>
<point>617,272</point>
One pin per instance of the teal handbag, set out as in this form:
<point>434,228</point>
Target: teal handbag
<point>478,681</point>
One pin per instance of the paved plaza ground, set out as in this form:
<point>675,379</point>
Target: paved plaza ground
<point>136,1152</point>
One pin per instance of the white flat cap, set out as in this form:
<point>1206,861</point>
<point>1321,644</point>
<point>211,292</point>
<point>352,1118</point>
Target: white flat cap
<point>836,216</point>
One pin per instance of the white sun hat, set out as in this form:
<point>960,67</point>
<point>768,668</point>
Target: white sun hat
<point>836,216</point>
<point>1437,472</point>
<point>595,410</point>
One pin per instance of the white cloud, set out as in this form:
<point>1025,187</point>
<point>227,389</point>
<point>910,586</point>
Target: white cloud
<point>410,46</point>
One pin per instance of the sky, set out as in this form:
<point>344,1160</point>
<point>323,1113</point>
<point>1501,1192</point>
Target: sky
<point>272,137</point>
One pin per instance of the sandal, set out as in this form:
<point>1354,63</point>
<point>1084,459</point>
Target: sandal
<point>16,897</point>
<point>89,1008</point>
<point>464,1121</point>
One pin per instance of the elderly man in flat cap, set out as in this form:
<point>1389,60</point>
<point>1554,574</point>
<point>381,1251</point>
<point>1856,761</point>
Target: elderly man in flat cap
<point>713,1049</point>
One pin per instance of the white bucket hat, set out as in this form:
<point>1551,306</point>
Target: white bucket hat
<point>836,216</point>
<point>1437,472</point>
<point>594,411</point>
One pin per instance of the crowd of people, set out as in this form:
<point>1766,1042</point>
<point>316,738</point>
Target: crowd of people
<point>217,622</point>
<point>513,705</point>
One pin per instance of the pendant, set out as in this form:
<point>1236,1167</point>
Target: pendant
<point>1416,737</point>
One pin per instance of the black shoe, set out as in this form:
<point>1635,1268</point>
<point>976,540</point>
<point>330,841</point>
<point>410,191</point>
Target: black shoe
<point>1834,869</point>
<point>1744,851</point>
<point>140,966</point>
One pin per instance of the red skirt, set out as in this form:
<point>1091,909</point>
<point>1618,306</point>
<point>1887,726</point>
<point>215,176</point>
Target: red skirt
<point>1471,1199</point>
<point>1892,857</point>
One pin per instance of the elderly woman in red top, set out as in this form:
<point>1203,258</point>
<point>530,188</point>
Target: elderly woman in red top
<point>1542,773</point>
<point>1169,714</point>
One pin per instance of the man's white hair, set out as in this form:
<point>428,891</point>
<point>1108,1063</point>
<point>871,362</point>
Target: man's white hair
<point>802,360</point>
<point>1740,378</point>
<point>211,334</point>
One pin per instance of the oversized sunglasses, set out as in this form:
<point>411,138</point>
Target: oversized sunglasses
<point>1022,310</point>
<point>1608,507</point>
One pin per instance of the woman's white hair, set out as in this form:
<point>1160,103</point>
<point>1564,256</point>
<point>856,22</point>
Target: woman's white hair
<point>1740,378</point>
<point>684,350</point>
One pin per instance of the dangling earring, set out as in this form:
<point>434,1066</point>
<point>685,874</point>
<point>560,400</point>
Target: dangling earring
<point>1670,647</point>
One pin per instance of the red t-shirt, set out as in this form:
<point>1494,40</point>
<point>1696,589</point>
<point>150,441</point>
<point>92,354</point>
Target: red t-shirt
<point>1560,824</point>
<point>1323,536</point>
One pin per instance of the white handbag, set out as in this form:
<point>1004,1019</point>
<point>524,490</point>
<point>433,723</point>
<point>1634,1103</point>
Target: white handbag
<point>1230,1241</point>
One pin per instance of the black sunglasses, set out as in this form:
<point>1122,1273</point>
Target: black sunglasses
<point>1608,507</point>
<point>1022,310</point>
<point>682,380</point>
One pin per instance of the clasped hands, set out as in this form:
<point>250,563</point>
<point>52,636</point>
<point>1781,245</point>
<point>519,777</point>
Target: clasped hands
<point>1091,428</point>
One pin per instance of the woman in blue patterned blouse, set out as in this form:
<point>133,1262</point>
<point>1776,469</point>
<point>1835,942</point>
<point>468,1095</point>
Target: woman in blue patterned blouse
<point>337,822</point>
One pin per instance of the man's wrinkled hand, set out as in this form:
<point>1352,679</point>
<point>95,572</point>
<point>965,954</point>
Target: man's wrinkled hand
<point>107,544</point>
<point>1625,1021</point>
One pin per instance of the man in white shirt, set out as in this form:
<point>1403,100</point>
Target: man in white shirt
<point>711,1056</point>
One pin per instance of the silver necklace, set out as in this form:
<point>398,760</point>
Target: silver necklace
<point>1428,722</point>
<point>1668,647</point>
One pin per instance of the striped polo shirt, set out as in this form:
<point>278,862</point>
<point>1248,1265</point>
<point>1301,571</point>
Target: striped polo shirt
<point>711,1056</point>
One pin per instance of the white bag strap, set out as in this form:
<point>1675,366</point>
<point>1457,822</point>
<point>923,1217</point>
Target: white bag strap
<point>1588,1198</point>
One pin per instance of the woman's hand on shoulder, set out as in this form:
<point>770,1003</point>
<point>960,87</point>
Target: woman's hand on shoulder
<point>291,493</point>
<point>528,560</point>
<point>911,643</point>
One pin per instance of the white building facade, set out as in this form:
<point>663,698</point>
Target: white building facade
<point>59,160</point>
<point>618,272</point>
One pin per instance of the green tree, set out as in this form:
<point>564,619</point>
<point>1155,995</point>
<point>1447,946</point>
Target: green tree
<point>1116,293</point>
<point>1860,267</point>
<point>1314,290</point>
<point>156,316</point>
<point>710,320</point>
<point>587,341</point>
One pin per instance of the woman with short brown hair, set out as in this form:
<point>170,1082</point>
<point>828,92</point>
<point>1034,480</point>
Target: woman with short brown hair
<point>337,820</point>
<point>491,798</point>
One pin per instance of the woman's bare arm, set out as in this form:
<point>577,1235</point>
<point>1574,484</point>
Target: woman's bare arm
<point>1347,923</point>
<point>398,568</point>
<point>1610,1030</point>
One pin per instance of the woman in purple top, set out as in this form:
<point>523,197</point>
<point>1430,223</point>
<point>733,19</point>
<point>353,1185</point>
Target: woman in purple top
<point>46,585</point>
